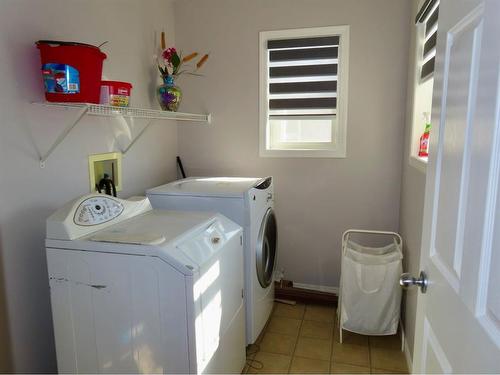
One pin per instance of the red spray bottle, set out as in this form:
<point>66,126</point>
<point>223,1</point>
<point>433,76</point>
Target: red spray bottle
<point>423,150</point>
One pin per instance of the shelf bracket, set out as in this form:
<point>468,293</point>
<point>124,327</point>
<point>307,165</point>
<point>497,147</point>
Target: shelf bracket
<point>82,112</point>
<point>138,136</point>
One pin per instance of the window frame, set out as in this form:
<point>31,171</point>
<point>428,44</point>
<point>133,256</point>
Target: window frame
<point>422,88</point>
<point>337,147</point>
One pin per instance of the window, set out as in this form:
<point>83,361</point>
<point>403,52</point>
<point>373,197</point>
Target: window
<point>427,17</point>
<point>426,41</point>
<point>303,92</point>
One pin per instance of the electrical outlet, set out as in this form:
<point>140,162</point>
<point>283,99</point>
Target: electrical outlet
<point>109,163</point>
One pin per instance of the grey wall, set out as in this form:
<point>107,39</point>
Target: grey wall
<point>412,200</point>
<point>29,194</point>
<point>316,199</point>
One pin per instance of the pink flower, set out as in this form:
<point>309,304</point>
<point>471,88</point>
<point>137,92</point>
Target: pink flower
<point>168,53</point>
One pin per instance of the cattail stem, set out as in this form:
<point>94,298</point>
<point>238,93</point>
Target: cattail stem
<point>163,42</point>
<point>202,61</point>
<point>190,57</point>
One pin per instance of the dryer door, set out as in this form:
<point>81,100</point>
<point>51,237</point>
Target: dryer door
<point>266,249</point>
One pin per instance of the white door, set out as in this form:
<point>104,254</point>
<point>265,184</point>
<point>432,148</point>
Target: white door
<point>458,318</point>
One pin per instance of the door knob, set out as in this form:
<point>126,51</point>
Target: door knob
<point>407,280</point>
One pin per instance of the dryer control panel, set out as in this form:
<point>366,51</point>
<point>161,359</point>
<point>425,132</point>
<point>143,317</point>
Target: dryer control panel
<point>97,210</point>
<point>91,213</point>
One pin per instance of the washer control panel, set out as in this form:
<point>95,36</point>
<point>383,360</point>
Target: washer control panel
<point>97,210</point>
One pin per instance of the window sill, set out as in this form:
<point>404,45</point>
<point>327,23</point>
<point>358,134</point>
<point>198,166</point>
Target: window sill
<point>339,154</point>
<point>418,163</point>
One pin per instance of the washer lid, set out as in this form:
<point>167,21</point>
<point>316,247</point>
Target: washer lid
<point>146,238</point>
<point>208,186</point>
<point>159,228</point>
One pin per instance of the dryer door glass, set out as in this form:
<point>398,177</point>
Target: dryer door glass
<point>266,249</point>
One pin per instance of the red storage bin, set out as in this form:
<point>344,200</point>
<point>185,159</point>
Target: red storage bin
<point>71,71</point>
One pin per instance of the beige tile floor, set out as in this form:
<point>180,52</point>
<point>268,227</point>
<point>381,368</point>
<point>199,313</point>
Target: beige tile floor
<point>304,339</point>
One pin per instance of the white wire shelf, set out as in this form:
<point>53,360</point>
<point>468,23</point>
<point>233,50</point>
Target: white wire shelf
<point>110,111</point>
<point>82,109</point>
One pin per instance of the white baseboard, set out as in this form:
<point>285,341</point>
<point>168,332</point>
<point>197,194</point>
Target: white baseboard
<point>408,356</point>
<point>319,288</point>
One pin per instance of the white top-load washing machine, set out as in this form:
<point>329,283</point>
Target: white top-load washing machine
<point>137,290</point>
<point>248,202</point>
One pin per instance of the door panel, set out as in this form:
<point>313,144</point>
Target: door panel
<point>435,358</point>
<point>489,295</point>
<point>460,63</point>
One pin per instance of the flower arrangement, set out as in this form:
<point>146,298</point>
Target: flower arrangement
<point>171,66</point>
<point>173,63</point>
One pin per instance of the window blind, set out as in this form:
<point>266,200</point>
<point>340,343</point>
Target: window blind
<point>428,15</point>
<point>303,76</point>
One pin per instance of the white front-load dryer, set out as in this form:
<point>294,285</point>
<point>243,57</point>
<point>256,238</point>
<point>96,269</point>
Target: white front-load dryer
<point>248,202</point>
<point>138,290</point>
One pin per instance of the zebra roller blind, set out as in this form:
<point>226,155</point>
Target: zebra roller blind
<point>428,15</point>
<point>303,76</point>
<point>303,92</point>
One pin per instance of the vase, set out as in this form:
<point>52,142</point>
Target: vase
<point>169,95</point>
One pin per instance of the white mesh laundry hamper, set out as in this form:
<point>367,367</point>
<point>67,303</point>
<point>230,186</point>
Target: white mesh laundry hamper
<point>370,295</point>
